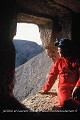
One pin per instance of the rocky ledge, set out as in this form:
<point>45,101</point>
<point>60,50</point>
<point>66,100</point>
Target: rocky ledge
<point>43,102</point>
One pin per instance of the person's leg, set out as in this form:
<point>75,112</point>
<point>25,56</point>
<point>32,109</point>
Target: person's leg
<point>71,104</point>
<point>64,95</point>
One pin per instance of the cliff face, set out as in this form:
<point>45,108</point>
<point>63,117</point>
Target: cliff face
<point>25,50</point>
<point>30,78</point>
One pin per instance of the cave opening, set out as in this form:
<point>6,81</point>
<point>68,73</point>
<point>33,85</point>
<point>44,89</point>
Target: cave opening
<point>28,31</point>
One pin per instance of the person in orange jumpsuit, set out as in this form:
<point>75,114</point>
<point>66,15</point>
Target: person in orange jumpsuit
<point>67,68</point>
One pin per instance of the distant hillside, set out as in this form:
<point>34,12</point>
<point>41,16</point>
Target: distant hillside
<point>31,76</point>
<point>25,50</point>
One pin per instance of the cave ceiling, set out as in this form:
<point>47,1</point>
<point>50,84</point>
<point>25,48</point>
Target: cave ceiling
<point>36,10</point>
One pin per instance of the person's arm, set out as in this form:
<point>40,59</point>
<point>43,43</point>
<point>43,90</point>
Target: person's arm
<point>51,79</point>
<point>76,91</point>
<point>78,83</point>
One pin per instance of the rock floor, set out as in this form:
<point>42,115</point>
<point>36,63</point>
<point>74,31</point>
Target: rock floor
<point>43,102</point>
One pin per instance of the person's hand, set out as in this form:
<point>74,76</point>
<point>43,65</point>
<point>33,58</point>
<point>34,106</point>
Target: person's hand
<point>43,92</point>
<point>76,93</point>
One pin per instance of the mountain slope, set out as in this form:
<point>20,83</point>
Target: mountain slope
<point>31,76</point>
<point>25,50</point>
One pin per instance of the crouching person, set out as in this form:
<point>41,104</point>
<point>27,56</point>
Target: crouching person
<point>67,68</point>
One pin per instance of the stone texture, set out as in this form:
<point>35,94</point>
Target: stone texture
<point>49,6</point>
<point>43,102</point>
<point>31,76</point>
<point>43,13</point>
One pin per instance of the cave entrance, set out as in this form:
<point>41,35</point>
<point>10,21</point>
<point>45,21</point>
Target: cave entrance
<point>28,31</point>
<point>31,76</point>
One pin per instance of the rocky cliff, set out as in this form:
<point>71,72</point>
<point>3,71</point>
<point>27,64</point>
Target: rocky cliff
<point>30,78</point>
<point>25,50</point>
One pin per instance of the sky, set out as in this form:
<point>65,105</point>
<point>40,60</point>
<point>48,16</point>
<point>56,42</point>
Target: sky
<point>27,31</point>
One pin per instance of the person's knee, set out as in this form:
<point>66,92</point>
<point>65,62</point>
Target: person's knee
<point>71,104</point>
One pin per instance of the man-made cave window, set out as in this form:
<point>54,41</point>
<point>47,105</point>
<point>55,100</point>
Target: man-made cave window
<point>27,42</point>
<point>28,31</point>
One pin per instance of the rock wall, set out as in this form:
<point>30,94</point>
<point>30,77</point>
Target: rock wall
<point>59,27</point>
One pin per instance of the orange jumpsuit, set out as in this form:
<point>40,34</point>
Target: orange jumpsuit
<point>68,72</point>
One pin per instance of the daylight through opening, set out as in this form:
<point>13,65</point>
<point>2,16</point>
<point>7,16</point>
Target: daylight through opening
<point>28,31</point>
<point>27,42</point>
